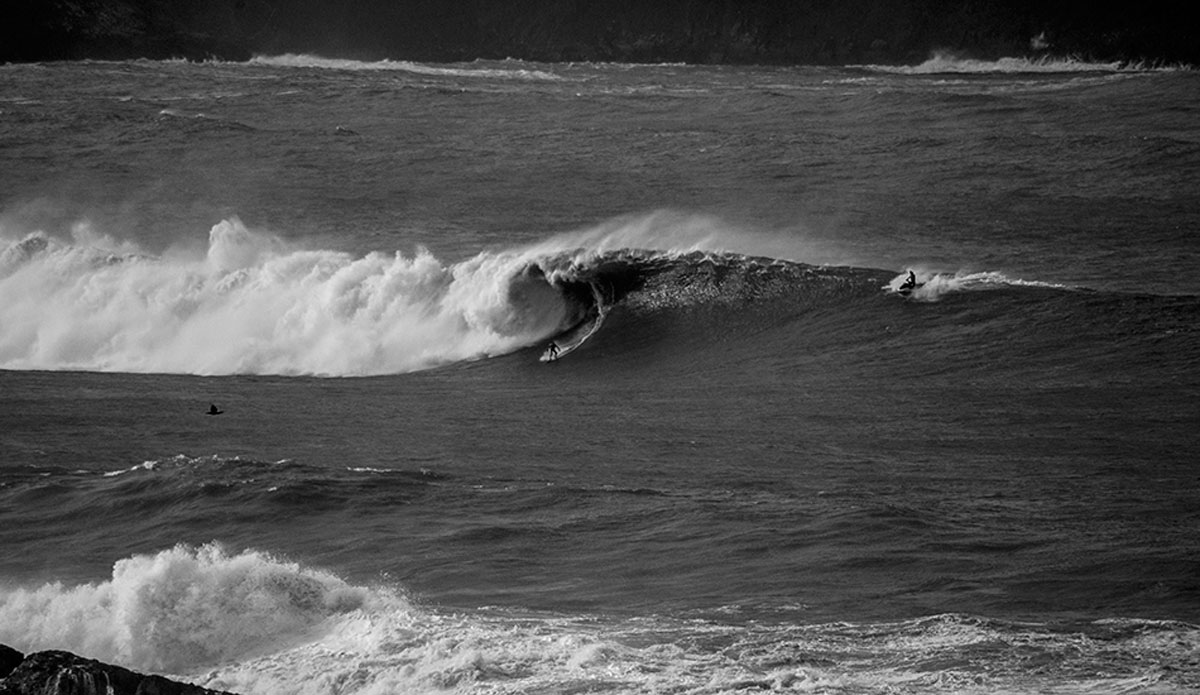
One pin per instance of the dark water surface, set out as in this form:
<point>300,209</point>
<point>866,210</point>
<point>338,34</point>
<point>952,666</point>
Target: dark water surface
<point>764,469</point>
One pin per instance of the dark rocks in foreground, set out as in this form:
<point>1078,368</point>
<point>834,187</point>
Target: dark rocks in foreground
<point>9,659</point>
<point>63,673</point>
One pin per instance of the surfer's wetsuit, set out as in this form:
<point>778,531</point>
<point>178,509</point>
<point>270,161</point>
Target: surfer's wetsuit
<point>554,349</point>
<point>911,282</point>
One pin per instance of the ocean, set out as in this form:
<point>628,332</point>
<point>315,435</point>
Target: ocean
<point>756,465</point>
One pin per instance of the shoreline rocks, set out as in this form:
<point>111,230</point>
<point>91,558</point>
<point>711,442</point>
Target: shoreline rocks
<point>63,673</point>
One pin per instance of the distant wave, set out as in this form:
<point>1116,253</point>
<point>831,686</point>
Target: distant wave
<point>941,63</point>
<point>481,70</point>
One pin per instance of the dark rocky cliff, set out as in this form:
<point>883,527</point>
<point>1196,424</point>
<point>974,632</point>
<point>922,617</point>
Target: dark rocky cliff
<point>698,31</point>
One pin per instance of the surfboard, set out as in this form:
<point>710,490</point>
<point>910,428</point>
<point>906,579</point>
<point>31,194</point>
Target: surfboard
<point>906,291</point>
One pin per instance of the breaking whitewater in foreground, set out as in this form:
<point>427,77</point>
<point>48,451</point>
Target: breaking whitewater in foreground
<point>250,623</point>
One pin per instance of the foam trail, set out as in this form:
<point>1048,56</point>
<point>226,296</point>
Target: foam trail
<point>932,286</point>
<point>253,304</point>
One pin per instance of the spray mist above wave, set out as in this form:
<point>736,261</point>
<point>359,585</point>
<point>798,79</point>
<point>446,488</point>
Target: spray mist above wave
<point>254,304</point>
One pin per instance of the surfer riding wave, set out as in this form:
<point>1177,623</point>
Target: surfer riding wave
<point>643,282</point>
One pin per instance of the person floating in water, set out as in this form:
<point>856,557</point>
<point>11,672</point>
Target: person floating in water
<point>553,350</point>
<point>910,282</point>
<point>213,410</point>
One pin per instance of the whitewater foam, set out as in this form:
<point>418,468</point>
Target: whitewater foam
<point>255,304</point>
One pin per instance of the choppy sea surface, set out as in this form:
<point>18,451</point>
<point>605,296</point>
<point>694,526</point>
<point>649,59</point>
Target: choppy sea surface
<point>757,464</point>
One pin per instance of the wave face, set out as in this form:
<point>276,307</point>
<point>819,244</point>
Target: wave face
<point>252,304</point>
<point>765,469</point>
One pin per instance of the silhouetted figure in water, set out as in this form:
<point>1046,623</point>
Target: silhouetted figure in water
<point>553,350</point>
<point>213,410</point>
<point>910,282</point>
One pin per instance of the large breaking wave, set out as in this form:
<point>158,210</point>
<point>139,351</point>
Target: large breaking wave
<point>255,304</point>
